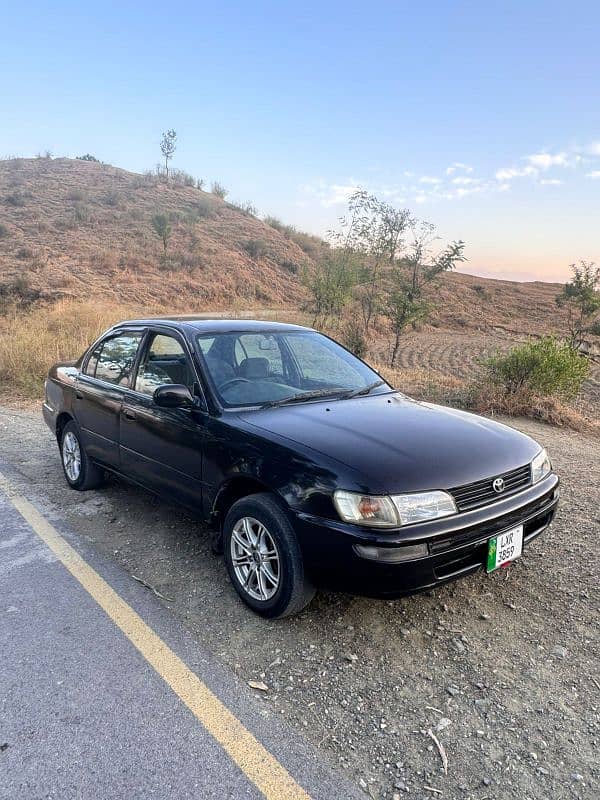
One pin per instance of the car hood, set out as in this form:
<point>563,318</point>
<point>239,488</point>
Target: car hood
<point>398,444</point>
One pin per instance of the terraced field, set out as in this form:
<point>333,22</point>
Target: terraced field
<point>457,354</point>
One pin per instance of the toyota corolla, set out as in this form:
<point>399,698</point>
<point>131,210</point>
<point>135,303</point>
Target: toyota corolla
<point>309,467</point>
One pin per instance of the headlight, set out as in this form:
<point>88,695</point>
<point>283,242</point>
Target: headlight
<point>365,509</point>
<point>423,506</point>
<point>391,512</point>
<point>540,466</point>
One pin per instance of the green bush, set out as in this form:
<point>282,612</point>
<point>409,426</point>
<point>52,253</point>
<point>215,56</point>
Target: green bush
<point>88,157</point>
<point>256,247</point>
<point>544,368</point>
<point>4,230</point>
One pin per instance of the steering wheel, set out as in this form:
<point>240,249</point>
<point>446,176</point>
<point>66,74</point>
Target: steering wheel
<point>231,382</point>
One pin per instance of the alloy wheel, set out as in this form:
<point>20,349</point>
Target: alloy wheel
<point>255,558</point>
<point>71,454</point>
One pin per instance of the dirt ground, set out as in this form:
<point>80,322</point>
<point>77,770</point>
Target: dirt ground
<point>502,670</point>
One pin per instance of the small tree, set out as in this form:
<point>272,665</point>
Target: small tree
<point>406,304</point>
<point>162,228</point>
<point>374,231</point>
<point>581,297</point>
<point>168,145</point>
<point>330,283</point>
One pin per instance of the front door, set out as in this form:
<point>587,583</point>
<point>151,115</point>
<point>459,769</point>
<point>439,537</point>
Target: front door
<point>161,448</point>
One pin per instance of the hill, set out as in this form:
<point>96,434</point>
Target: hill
<point>83,230</point>
<point>72,229</point>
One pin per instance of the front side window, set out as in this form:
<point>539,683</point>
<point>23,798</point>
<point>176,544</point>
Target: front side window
<point>249,369</point>
<point>113,359</point>
<point>165,361</point>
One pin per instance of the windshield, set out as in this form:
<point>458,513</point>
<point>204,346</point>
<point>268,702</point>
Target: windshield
<point>256,369</point>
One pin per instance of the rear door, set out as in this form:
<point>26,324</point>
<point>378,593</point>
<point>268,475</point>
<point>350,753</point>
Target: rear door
<point>99,392</point>
<point>161,448</point>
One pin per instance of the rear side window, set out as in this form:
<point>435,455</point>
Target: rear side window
<point>114,358</point>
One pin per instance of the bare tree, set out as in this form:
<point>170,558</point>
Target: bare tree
<point>168,145</point>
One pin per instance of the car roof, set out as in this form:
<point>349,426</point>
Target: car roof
<point>204,324</point>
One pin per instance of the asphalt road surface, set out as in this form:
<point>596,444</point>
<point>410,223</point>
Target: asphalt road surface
<point>102,694</point>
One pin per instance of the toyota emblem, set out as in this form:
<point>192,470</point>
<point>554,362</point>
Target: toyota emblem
<point>498,485</point>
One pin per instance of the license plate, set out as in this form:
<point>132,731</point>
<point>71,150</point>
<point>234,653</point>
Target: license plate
<point>504,548</point>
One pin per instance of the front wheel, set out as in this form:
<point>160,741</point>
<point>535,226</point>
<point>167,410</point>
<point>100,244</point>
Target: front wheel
<point>81,473</point>
<point>263,558</point>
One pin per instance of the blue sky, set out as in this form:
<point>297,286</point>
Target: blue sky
<point>484,118</point>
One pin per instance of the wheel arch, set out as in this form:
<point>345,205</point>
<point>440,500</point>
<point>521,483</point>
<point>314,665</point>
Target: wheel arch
<point>230,492</point>
<point>62,419</point>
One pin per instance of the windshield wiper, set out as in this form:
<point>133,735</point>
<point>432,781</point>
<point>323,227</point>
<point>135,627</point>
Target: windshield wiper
<point>363,390</point>
<point>298,398</point>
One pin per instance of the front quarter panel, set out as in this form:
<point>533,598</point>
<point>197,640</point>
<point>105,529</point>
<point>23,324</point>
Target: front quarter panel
<point>303,479</point>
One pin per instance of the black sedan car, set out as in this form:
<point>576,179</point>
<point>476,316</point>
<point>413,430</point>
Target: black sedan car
<point>310,468</point>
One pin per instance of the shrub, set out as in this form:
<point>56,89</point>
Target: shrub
<point>82,213</point>
<point>219,190</point>
<point>17,199</point>
<point>289,266</point>
<point>181,177</point>
<point>111,198</point>
<point>24,253</point>
<point>75,195</point>
<point>245,208</point>
<point>88,157</point>
<point>353,337</point>
<point>544,368</point>
<point>4,230</point>
<point>203,207</point>
<point>256,247</point>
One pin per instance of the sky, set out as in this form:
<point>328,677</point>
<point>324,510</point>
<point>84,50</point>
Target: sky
<point>481,117</point>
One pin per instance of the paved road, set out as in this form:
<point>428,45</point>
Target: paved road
<point>103,694</point>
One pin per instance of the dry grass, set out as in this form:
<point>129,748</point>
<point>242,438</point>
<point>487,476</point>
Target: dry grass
<point>31,342</point>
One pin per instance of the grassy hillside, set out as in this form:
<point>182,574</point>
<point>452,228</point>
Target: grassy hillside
<point>83,230</point>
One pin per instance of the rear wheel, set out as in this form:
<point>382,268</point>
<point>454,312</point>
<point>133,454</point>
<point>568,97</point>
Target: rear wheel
<point>81,473</point>
<point>263,558</point>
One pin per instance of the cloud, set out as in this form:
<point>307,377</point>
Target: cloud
<point>551,182</point>
<point>593,149</point>
<point>428,179</point>
<point>595,173</point>
<point>464,181</point>
<point>546,160</point>
<point>508,173</point>
<point>458,165</point>
<point>328,195</point>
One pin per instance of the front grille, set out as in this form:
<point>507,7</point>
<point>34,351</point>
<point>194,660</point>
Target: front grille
<point>481,493</point>
<point>485,530</point>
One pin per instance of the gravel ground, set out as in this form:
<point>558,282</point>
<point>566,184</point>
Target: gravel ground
<point>503,671</point>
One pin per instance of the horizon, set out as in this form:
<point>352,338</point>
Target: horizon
<point>485,124</point>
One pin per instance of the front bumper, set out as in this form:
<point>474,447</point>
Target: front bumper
<point>456,545</point>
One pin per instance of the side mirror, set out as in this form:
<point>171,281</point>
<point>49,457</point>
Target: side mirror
<point>173,395</point>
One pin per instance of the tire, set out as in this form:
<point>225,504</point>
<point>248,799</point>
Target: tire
<point>80,472</point>
<point>275,586</point>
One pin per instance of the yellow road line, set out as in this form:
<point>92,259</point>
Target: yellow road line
<point>259,766</point>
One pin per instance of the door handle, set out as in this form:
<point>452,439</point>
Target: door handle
<point>128,414</point>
